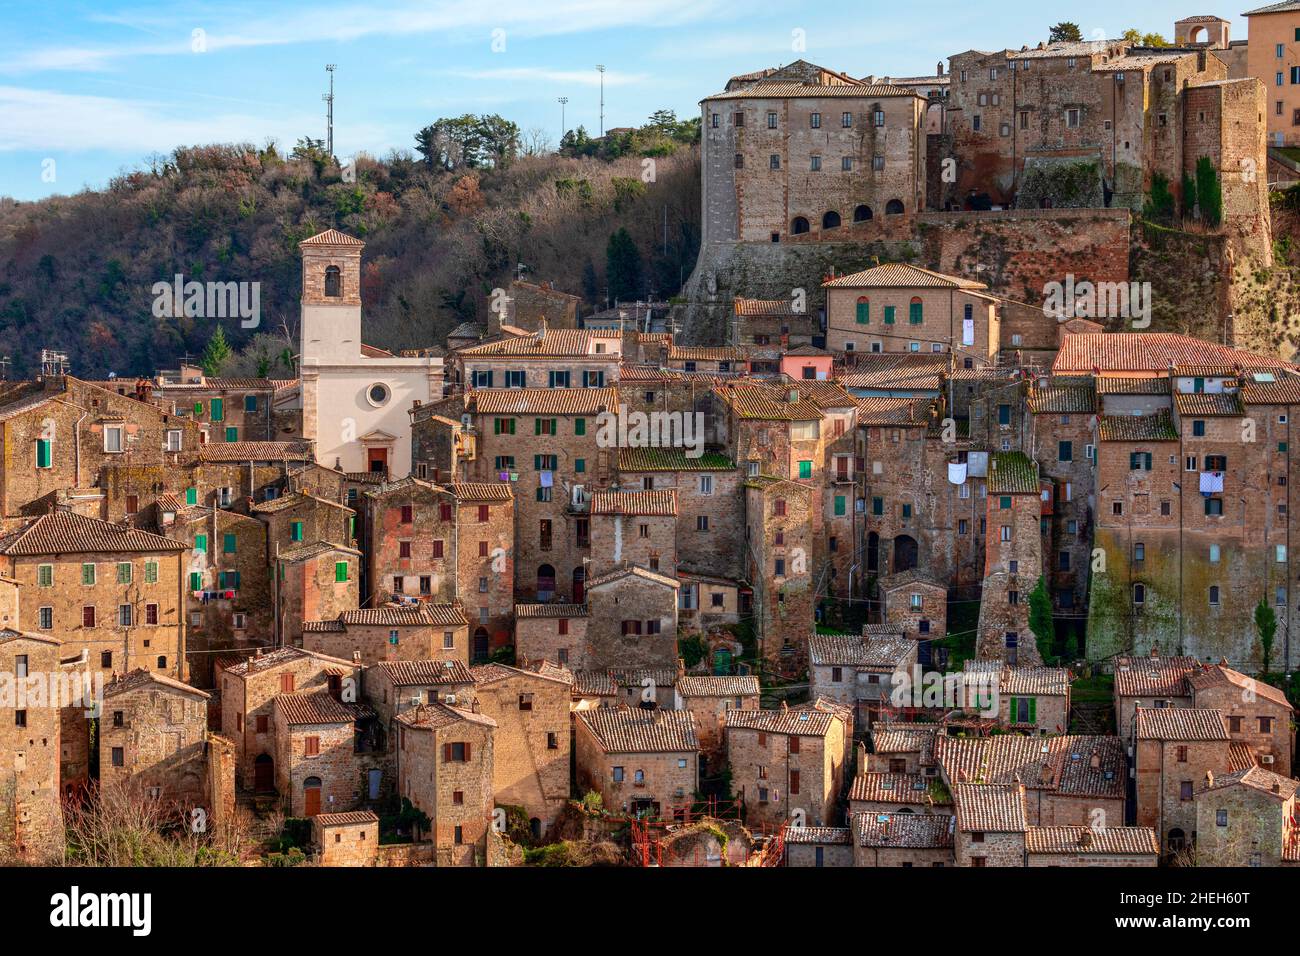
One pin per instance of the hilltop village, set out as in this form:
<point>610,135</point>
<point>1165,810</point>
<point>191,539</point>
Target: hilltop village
<point>928,527</point>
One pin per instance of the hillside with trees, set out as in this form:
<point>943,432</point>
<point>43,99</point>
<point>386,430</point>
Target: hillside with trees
<point>444,224</point>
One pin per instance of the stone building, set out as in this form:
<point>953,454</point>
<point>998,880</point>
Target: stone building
<point>485,561</point>
<point>718,360</point>
<point>861,672</point>
<point>1174,748</point>
<point>393,632</point>
<point>440,444</point>
<point>1091,846</point>
<point>1034,700</point>
<point>902,747</point>
<point>545,359</point>
<point>544,441</point>
<point>633,620</point>
<point>788,764</point>
<point>802,150</point>
<point>445,768</point>
<point>634,527</point>
<point>1013,562</point>
<point>1272,48</point>
<point>228,601</point>
<point>903,839</point>
<point>641,762</point>
<point>779,515</point>
<point>300,518</point>
<point>114,593</point>
<point>411,541</point>
<point>318,743</point>
<point>248,693</point>
<point>314,582</point>
<point>346,839</point>
<point>60,432</point>
<point>537,305</point>
<point>1064,780</point>
<point>775,325</point>
<point>532,744</point>
<point>153,737</point>
<point>915,603</point>
<point>31,815</point>
<point>552,632</point>
<point>394,687</point>
<point>818,846</point>
<point>990,824</point>
<point>353,396</point>
<point>1246,818</point>
<point>897,307</point>
<point>225,409</point>
<point>710,524</point>
<point>894,792</point>
<point>1259,715</point>
<point>709,699</point>
<point>1151,681</point>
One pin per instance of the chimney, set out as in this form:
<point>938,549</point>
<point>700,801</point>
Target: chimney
<point>1095,760</point>
<point>681,667</point>
<point>474,705</point>
<point>1277,787</point>
<point>784,706</point>
<point>1209,778</point>
<point>1085,838</point>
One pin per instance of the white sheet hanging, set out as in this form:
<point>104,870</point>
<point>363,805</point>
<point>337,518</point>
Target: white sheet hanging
<point>957,472</point>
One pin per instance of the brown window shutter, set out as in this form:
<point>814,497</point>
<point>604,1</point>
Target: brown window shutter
<point>467,751</point>
<point>446,753</point>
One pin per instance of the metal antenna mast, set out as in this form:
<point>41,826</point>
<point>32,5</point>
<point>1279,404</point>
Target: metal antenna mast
<point>329,111</point>
<point>562,100</point>
<point>600,68</point>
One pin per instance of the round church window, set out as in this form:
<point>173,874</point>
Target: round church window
<point>378,394</point>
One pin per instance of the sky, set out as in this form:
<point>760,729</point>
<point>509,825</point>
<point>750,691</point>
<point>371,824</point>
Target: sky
<point>89,89</point>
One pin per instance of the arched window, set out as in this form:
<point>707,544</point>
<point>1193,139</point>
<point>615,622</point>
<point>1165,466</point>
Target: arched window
<point>862,213</point>
<point>915,311</point>
<point>894,207</point>
<point>799,225</point>
<point>311,796</point>
<point>831,220</point>
<point>545,582</point>
<point>333,282</point>
<point>863,310</point>
<point>1139,594</point>
<point>1177,840</point>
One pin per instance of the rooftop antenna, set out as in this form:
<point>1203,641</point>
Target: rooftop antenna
<point>54,363</point>
<point>329,110</point>
<point>600,68</point>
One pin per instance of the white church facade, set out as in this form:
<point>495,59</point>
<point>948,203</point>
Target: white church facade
<point>355,398</point>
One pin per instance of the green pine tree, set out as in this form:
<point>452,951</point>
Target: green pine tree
<point>1266,626</point>
<point>623,267</point>
<point>217,353</point>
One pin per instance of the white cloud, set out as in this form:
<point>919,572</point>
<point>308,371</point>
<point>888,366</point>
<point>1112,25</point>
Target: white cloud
<point>520,74</point>
<point>43,121</point>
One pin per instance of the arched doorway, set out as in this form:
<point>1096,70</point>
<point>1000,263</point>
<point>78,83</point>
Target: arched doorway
<point>904,553</point>
<point>535,828</point>
<point>311,796</point>
<point>579,583</point>
<point>873,553</point>
<point>862,214</point>
<point>263,774</point>
<point>482,645</point>
<point>831,220</point>
<point>799,225</point>
<point>545,582</point>
<point>894,207</point>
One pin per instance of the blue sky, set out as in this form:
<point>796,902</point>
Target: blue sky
<point>96,86</point>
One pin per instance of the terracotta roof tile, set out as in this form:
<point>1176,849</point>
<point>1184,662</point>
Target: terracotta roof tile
<point>671,459</point>
<point>852,650</point>
<point>331,237</point>
<point>796,721</point>
<point>635,503</point>
<point>878,787</point>
<point>634,730</point>
<point>1255,778</point>
<point>551,610</point>
<point>1154,676</point>
<point>426,673</point>
<point>718,685</point>
<point>1126,841</point>
<point>318,707</point>
<point>904,276</point>
<point>1180,723</point>
<point>990,808</point>
<point>1082,352</point>
<point>1123,385</point>
<point>239,451</point>
<point>1208,404</point>
<point>66,532</point>
<point>635,570</point>
<point>836,836</point>
<point>1062,764</point>
<point>350,818</point>
<point>543,401</point>
<point>1012,473</point>
<point>481,491</point>
<point>1157,427</point>
<point>909,831</point>
<point>553,343</point>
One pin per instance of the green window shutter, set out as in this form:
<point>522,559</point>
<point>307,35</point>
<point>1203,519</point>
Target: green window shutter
<point>1033,709</point>
<point>200,542</point>
<point>839,505</point>
<point>218,410</point>
<point>124,572</point>
<point>228,544</point>
<point>44,453</point>
<point>232,433</point>
<point>295,531</point>
<point>889,315</point>
<point>45,575</point>
<point>864,313</point>
<point>537,462</point>
<point>250,403</point>
<point>151,572</point>
<point>537,426</point>
<point>191,496</point>
<point>87,574</point>
<point>914,315</point>
<point>221,580</point>
<point>805,469</point>
<point>496,426</point>
<point>510,426</point>
<point>877,506</point>
<point>1005,502</point>
<point>352,526</point>
<point>579,426</point>
<point>198,409</point>
<point>196,581</point>
<point>234,576</point>
<point>340,572</point>
<point>580,465</point>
